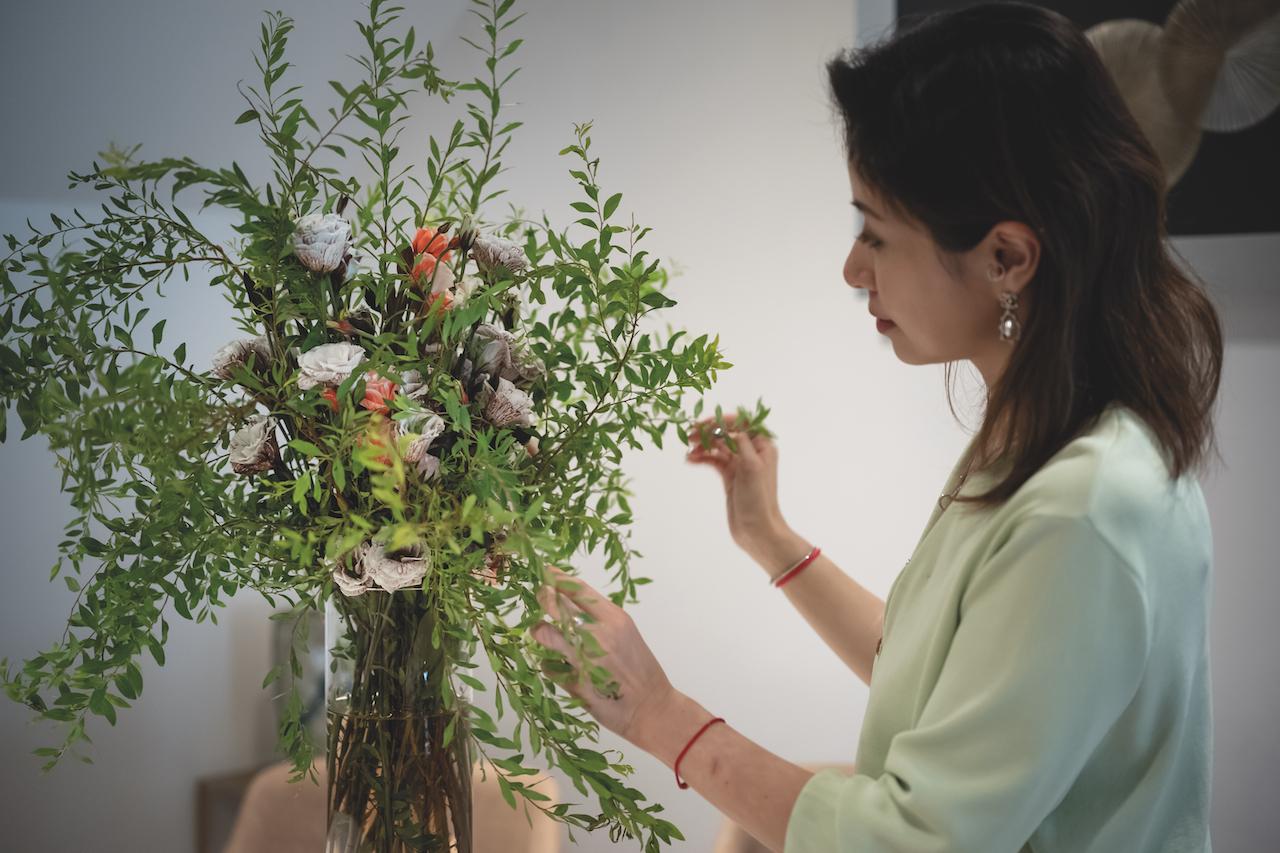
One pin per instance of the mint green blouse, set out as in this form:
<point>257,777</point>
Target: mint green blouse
<point>1043,679</point>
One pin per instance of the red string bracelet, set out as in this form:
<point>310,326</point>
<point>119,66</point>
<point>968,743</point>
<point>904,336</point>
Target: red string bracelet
<point>790,573</point>
<point>679,781</point>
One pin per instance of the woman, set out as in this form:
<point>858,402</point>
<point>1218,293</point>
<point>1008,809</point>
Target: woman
<point>1039,673</point>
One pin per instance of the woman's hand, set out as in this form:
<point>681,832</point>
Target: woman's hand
<point>750,478</point>
<point>640,685</point>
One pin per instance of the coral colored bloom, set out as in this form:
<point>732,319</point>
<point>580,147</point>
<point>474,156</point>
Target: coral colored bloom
<point>424,268</point>
<point>332,396</point>
<point>380,433</point>
<point>378,392</point>
<point>439,302</point>
<point>427,240</point>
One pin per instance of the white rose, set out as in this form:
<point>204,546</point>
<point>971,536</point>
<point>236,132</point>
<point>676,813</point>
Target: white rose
<point>253,446</point>
<point>328,364</point>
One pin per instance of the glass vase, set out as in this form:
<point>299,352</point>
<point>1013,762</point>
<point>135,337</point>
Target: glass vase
<point>399,756</point>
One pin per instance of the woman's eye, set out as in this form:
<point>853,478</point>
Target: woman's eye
<point>871,241</point>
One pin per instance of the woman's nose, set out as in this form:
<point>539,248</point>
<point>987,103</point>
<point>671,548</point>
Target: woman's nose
<point>857,273</point>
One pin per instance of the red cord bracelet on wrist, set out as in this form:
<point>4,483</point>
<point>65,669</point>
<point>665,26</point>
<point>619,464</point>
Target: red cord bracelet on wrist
<point>790,573</point>
<point>679,781</point>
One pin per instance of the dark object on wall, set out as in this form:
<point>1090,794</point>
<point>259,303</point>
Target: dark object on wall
<point>1203,77</point>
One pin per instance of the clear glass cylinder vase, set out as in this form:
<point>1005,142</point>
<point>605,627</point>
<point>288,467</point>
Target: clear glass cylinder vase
<point>398,756</point>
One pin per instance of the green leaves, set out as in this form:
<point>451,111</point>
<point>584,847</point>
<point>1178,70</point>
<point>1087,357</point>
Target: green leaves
<point>306,447</point>
<point>612,204</point>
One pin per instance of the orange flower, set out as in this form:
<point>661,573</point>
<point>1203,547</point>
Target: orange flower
<point>431,247</point>
<point>380,433</point>
<point>378,392</point>
<point>332,396</point>
<point>424,269</point>
<point>445,298</point>
<point>427,240</point>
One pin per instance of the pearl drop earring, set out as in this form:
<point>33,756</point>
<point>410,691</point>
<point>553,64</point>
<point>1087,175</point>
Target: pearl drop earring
<point>1010,329</point>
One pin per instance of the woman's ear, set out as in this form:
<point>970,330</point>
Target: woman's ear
<point>1015,249</point>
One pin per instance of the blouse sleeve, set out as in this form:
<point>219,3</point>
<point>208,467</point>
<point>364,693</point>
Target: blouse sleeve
<point>1051,642</point>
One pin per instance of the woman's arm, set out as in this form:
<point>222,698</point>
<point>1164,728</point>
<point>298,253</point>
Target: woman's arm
<point>746,782</point>
<point>847,616</point>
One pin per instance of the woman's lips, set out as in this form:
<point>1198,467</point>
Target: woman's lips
<point>883,326</point>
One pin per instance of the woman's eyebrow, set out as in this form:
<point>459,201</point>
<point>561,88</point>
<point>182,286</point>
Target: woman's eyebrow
<point>868,211</point>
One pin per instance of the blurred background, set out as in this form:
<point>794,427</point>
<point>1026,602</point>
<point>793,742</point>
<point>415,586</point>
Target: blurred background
<point>712,118</point>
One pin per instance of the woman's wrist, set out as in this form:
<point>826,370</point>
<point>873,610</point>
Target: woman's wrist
<point>779,550</point>
<point>663,729</point>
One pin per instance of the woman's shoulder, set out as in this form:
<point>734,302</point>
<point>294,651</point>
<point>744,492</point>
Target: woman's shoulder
<point>1116,476</point>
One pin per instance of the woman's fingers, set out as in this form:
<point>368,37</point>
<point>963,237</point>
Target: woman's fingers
<point>746,448</point>
<point>546,634</point>
<point>581,593</point>
<point>707,425</point>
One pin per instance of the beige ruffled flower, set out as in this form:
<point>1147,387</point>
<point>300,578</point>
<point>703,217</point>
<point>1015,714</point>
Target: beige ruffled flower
<point>506,356</point>
<point>496,344</point>
<point>354,583</point>
<point>428,466</point>
<point>493,251</point>
<point>413,384</point>
<point>508,406</point>
<point>429,426</point>
<point>321,241</point>
<point>463,289</point>
<point>328,364</point>
<point>525,366</point>
<point>231,356</point>
<point>395,573</point>
<point>253,446</point>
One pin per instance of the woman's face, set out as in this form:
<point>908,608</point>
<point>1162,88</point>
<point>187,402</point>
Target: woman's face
<point>936,314</point>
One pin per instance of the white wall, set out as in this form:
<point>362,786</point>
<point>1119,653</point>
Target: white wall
<point>712,119</point>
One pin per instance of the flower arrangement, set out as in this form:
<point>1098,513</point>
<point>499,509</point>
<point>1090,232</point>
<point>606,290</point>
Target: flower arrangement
<point>428,406</point>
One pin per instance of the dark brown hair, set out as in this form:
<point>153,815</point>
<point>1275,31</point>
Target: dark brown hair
<point>1004,111</point>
